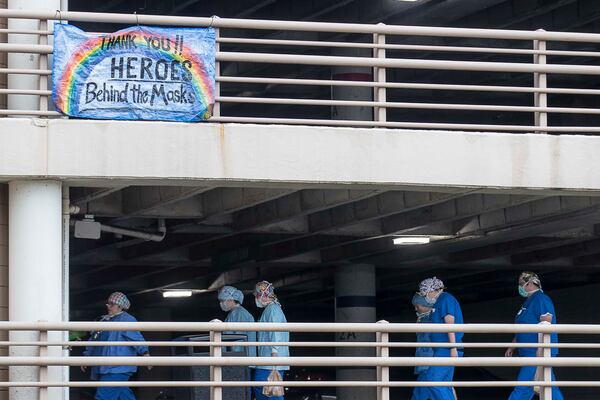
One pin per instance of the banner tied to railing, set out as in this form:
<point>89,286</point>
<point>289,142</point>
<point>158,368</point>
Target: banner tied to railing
<point>138,73</point>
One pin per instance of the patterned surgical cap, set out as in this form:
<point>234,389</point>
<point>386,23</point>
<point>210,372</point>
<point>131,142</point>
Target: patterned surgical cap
<point>265,288</point>
<point>119,299</point>
<point>430,285</point>
<point>529,276</point>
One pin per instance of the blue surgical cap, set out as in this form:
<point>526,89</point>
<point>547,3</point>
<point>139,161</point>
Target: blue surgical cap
<point>420,300</point>
<point>230,293</point>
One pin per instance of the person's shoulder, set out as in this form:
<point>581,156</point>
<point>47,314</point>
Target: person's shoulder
<point>445,296</point>
<point>541,297</point>
<point>126,317</point>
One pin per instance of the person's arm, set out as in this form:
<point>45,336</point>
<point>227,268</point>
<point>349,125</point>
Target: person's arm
<point>136,336</point>
<point>511,350</point>
<point>547,317</point>
<point>449,319</point>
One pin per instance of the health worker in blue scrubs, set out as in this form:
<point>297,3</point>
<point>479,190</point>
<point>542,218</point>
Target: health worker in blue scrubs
<point>117,305</point>
<point>446,310</point>
<point>265,299</point>
<point>537,308</point>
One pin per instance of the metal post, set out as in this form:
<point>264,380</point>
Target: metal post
<point>216,392</point>
<point>540,81</point>
<point>546,391</point>
<point>379,74</point>
<point>43,393</point>
<point>43,64</point>
<point>383,373</point>
<point>217,106</point>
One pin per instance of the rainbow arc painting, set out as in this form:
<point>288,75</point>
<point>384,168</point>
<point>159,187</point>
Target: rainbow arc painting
<point>137,73</point>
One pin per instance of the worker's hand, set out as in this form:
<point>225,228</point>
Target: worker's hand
<point>83,368</point>
<point>509,352</point>
<point>454,352</point>
<point>149,366</point>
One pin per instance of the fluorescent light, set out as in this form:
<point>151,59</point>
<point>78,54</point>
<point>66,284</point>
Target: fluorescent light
<point>177,293</point>
<point>407,240</point>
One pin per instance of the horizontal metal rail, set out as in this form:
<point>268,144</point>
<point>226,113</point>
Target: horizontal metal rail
<point>306,344</point>
<point>405,85</point>
<point>311,383</point>
<point>301,26</point>
<point>152,361</point>
<point>218,326</point>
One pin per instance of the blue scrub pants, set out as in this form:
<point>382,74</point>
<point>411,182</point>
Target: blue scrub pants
<point>262,375</point>
<point>436,374</point>
<point>526,392</point>
<point>114,393</point>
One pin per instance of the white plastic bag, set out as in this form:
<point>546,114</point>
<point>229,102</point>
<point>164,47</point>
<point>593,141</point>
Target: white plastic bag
<point>273,391</point>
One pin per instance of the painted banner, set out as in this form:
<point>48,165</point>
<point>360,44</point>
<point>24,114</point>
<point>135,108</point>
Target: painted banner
<point>138,73</point>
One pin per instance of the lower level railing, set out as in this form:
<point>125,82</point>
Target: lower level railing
<point>38,348</point>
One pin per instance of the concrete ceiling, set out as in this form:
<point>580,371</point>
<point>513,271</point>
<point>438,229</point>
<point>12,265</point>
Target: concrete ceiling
<point>297,237</point>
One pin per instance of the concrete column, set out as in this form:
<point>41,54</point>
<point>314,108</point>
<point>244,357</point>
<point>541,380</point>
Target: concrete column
<point>3,280</point>
<point>35,278</point>
<point>355,302</point>
<point>345,73</point>
<point>23,60</point>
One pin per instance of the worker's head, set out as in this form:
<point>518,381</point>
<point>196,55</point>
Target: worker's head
<point>116,303</point>
<point>421,305</point>
<point>229,298</point>
<point>264,294</point>
<point>431,288</point>
<point>529,282</point>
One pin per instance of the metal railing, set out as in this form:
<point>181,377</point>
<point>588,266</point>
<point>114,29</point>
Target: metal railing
<point>382,359</point>
<point>503,75</point>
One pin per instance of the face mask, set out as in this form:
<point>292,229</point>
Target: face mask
<point>224,306</point>
<point>259,303</point>
<point>430,301</point>
<point>423,314</point>
<point>523,292</point>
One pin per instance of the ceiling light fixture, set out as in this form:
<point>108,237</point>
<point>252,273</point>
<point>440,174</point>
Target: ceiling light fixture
<point>410,240</point>
<point>177,293</point>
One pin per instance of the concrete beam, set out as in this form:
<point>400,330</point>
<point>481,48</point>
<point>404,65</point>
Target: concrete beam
<point>274,154</point>
<point>420,219</point>
<point>520,229</point>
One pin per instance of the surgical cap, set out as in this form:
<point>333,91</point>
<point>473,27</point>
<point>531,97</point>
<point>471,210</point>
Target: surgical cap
<point>430,285</point>
<point>119,299</point>
<point>265,288</point>
<point>420,300</point>
<point>230,293</point>
<point>529,276</point>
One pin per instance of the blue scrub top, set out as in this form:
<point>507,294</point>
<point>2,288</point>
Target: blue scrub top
<point>116,351</point>
<point>446,304</point>
<point>423,337</point>
<point>530,312</point>
<point>273,313</point>
<point>240,314</point>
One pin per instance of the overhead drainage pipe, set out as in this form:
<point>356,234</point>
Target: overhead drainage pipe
<point>136,234</point>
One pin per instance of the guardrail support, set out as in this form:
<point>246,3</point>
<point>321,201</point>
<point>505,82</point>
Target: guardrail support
<point>546,391</point>
<point>43,393</point>
<point>216,373</point>
<point>42,65</point>
<point>217,107</point>
<point>383,373</point>
<point>540,81</point>
<point>379,75</point>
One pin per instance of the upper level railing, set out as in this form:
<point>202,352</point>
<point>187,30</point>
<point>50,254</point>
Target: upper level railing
<point>39,345</point>
<point>291,72</point>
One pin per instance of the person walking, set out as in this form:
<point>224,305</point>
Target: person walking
<point>117,305</point>
<point>537,308</point>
